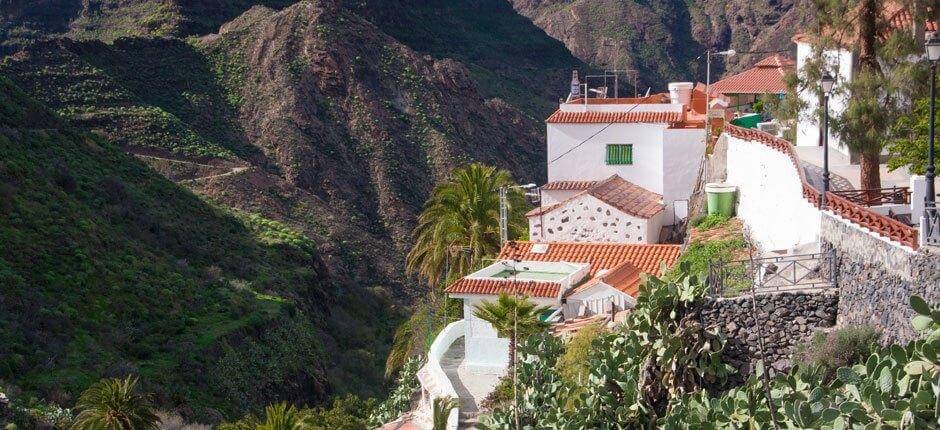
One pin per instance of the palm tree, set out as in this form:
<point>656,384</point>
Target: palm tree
<point>513,318</point>
<point>281,416</point>
<point>441,411</point>
<point>113,404</point>
<point>459,226</point>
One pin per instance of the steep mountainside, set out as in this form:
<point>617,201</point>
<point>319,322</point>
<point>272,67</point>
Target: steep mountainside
<point>110,19</point>
<point>108,269</point>
<point>663,38</point>
<point>507,54</point>
<point>309,126</point>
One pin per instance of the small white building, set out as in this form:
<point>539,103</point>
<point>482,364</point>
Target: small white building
<point>612,210</point>
<point>655,142</point>
<point>572,279</point>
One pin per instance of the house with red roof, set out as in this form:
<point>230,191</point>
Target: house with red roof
<point>842,63</point>
<point>573,279</point>
<point>741,90</point>
<point>631,162</point>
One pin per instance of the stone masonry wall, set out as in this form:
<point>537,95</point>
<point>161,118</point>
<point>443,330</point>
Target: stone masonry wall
<point>785,319</point>
<point>876,279</point>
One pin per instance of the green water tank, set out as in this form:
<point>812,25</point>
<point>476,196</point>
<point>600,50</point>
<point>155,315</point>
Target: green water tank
<point>748,120</point>
<point>720,198</point>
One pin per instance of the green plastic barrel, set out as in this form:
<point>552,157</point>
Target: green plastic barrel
<point>720,198</point>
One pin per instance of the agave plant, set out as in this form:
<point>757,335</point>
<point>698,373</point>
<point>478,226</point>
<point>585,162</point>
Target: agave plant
<point>114,404</point>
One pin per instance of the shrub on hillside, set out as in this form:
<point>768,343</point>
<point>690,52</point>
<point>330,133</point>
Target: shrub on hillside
<point>840,347</point>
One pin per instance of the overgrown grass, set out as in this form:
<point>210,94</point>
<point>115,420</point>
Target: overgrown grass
<point>840,347</point>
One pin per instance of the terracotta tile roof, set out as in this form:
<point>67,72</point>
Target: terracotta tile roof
<point>895,14</point>
<point>619,193</point>
<point>610,117</point>
<point>574,325</point>
<point>650,99</point>
<point>765,77</point>
<point>625,277</point>
<point>568,185</point>
<point>624,261</point>
<point>497,286</point>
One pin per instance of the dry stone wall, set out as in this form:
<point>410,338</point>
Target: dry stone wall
<point>783,320</point>
<point>876,279</point>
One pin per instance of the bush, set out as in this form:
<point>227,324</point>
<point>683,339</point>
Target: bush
<point>709,221</point>
<point>501,396</point>
<point>841,347</point>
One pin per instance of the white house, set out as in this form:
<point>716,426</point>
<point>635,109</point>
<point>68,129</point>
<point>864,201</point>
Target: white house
<point>654,142</point>
<point>841,64</point>
<point>572,279</point>
<point>612,210</point>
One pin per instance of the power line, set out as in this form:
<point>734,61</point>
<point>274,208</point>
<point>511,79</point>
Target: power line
<point>591,136</point>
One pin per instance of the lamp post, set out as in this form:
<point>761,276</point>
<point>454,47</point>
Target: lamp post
<point>708,83</point>
<point>932,46</point>
<point>826,84</point>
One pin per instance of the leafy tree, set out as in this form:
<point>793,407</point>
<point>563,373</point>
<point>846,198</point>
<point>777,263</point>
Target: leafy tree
<point>908,147</point>
<point>884,80</point>
<point>459,226</point>
<point>513,318</point>
<point>114,404</point>
<point>441,411</point>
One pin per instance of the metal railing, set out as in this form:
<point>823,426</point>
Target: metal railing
<point>772,274</point>
<point>931,224</point>
<point>876,196</point>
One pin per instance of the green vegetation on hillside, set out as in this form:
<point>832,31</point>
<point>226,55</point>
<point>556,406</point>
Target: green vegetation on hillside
<point>110,269</point>
<point>508,56</point>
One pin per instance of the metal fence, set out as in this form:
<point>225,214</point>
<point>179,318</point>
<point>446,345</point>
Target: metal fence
<point>772,274</point>
<point>931,226</point>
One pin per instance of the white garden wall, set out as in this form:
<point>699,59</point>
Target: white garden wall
<point>770,196</point>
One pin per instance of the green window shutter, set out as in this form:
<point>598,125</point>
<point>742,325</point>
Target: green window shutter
<point>619,154</point>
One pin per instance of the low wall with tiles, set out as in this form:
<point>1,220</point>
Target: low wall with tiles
<point>784,319</point>
<point>876,278</point>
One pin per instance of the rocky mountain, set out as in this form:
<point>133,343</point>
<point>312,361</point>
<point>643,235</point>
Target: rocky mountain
<point>307,127</point>
<point>662,39</point>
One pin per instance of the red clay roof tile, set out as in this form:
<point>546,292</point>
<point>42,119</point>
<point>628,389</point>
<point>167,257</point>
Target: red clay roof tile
<point>619,193</point>
<point>624,261</point>
<point>611,117</point>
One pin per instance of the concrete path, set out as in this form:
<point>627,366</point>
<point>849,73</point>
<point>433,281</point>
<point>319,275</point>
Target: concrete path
<point>471,388</point>
<point>840,165</point>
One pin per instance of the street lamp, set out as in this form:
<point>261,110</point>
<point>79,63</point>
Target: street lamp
<point>825,83</point>
<point>932,46</point>
<point>708,83</point>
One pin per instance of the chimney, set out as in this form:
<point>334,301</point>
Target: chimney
<point>680,93</point>
<point>575,85</point>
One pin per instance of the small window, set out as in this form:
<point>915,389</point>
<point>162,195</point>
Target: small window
<point>619,154</point>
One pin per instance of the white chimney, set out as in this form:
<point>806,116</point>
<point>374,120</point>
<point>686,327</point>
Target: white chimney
<point>680,93</point>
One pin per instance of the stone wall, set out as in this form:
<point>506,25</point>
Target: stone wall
<point>784,319</point>
<point>877,277</point>
<point>588,219</point>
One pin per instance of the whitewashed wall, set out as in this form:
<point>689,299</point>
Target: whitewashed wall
<point>550,197</point>
<point>487,353</point>
<point>770,196</point>
<point>683,151</point>
<point>808,124</point>
<point>586,162</point>
<point>588,219</point>
<point>665,161</point>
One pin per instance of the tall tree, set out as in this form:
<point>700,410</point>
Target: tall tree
<point>884,78</point>
<point>459,226</point>
<point>114,404</point>
<point>512,317</point>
